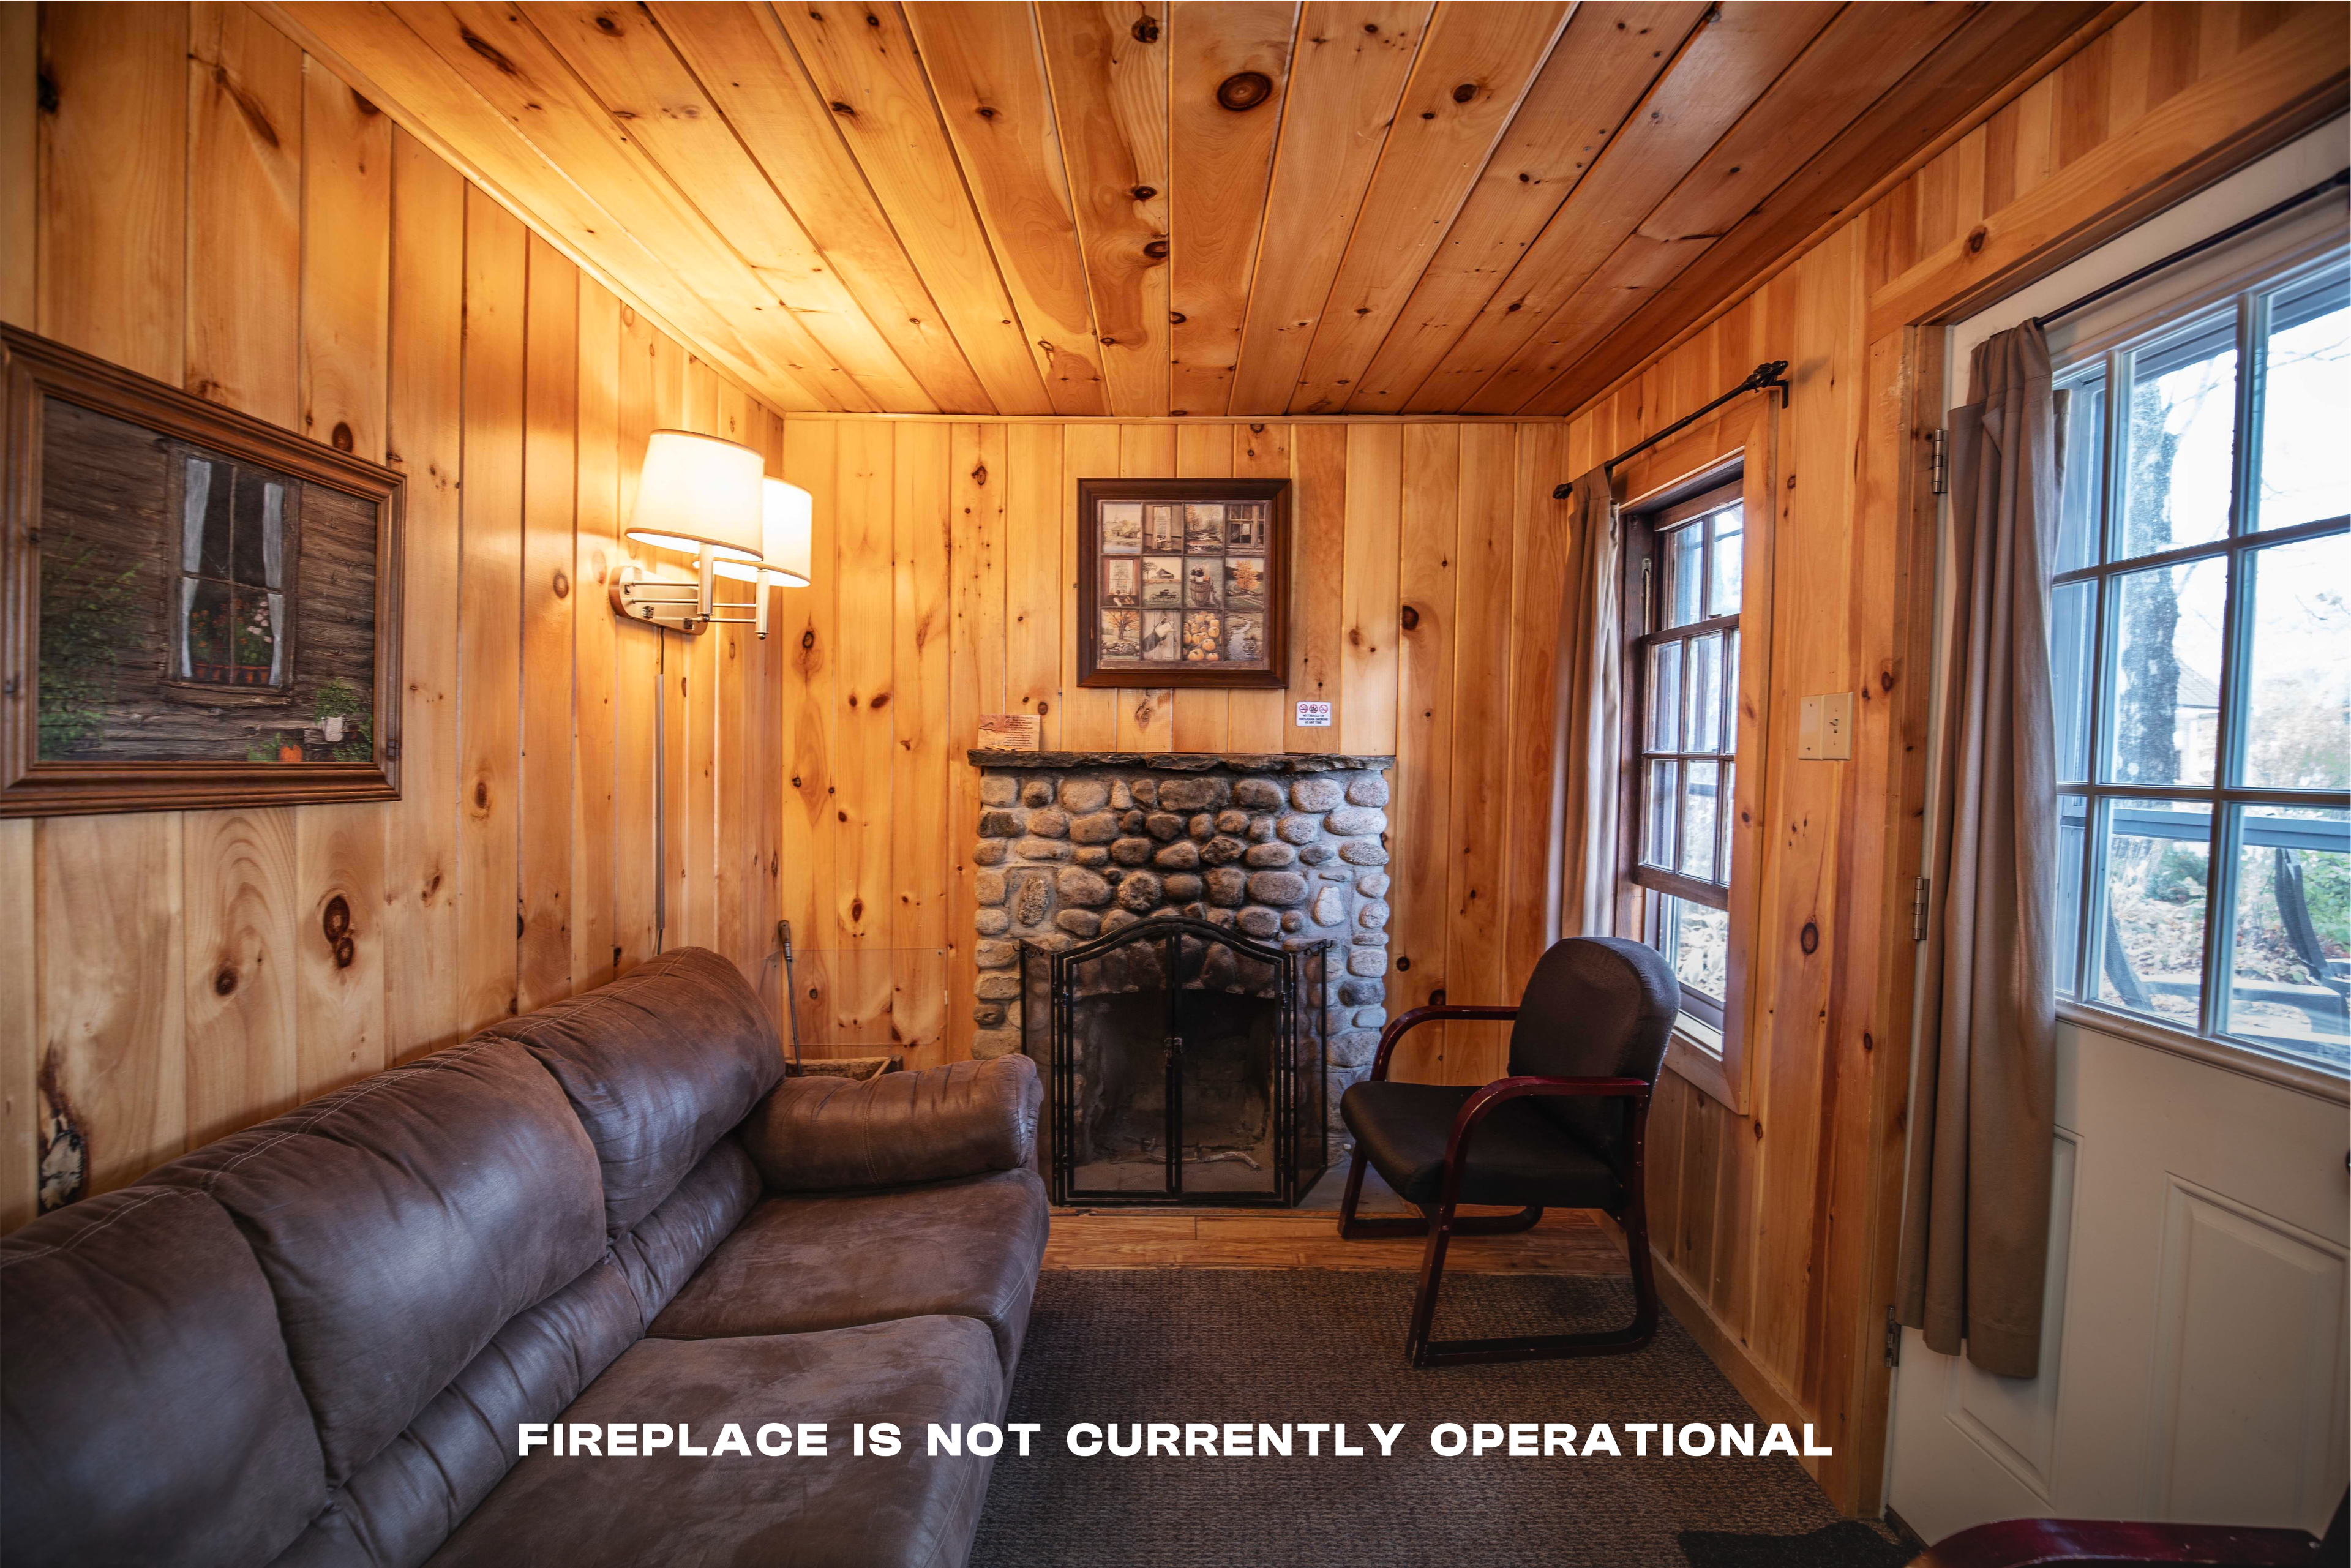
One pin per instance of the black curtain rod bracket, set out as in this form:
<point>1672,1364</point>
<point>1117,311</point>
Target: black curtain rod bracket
<point>1769,376</point>
<point>2184,253</point>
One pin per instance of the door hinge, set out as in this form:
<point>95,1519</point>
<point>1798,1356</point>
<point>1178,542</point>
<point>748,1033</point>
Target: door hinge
<point>1938,464</point>
<point>1918,910</point>
<point>1893,1339</point>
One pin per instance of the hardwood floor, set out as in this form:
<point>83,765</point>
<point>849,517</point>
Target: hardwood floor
<point>1568,1241</point>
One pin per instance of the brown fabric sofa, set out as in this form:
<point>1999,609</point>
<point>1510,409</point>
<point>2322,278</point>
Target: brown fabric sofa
<point>312,1342</point>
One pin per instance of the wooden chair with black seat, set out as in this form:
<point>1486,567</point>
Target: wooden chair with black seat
<point>1563,1130</point>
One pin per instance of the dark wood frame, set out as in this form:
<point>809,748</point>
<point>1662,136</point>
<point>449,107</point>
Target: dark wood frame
<point>1275,674</point>
<point>1716,489</point>
<point>35,370</point>
<point>1444,1222</point>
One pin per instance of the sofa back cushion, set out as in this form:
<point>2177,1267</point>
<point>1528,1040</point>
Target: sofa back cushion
<point>401,1222</point>
<point>659,1065</point>
<point>148,1410</point>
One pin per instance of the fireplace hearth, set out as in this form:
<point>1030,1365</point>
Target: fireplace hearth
<point>1184,1062</point>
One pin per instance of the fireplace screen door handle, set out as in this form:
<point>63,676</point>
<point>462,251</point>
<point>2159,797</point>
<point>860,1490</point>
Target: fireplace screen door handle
<point>1172,1049</point>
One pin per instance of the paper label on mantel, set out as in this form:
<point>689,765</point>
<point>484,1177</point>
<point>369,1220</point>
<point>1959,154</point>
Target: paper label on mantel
<point>1313,716</point>
<point>1010,732</point>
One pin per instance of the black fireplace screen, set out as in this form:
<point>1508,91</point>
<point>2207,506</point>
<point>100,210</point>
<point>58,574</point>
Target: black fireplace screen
<point>1183,1063</point>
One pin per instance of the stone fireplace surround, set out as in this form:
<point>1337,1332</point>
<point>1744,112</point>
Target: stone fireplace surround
<point>1289,847</point>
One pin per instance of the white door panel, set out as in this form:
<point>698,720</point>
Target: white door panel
<point>2195,1367</point>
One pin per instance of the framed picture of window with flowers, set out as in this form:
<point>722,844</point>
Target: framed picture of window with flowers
<point>1183,582</point>
<point>197,608</point>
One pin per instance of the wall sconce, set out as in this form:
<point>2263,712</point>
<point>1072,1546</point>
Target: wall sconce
<point>786,517</point>
<point>701,496</point>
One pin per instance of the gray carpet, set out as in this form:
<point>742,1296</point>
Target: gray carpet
<point>1316,1345</point>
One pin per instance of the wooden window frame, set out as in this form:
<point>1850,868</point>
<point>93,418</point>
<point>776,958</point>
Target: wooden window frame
<point>1710,1048</point>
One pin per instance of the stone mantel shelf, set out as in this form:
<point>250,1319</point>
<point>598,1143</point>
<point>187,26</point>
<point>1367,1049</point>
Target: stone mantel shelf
<point>1184,761</point>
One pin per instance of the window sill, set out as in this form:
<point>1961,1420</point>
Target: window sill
<point>1694,1052</point>
<point>2302,1077</point>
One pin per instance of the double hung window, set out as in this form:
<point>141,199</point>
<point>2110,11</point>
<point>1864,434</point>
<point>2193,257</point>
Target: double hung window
<point>2201,645</point>
<point>1681,693</point>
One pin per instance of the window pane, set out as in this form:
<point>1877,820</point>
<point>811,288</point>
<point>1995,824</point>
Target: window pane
<point>2072,633</point>
<point>2167,661</point>
<point>2082,488</point>
<point>2298,686</point>
<point>2307,403</point>
<point>1726,813</point>
<point>1729,563</point>
<point>207,648</point>
<point>1697,821</point>
<point>2073,813</point>
<point>1683,550</point>
<point>1706,693</point>
<point>203,537</point>
<point>2158,861</point>
<point>256,638</point>
<point>1657,837</point>
<point>2182,423</point>
<point>1696,940</point>
<point>1666,698</point>
<point>2293,962</point>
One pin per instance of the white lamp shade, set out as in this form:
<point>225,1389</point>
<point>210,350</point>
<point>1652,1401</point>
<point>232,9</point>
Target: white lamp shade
<point>698,490</point>
<point>785,530</point>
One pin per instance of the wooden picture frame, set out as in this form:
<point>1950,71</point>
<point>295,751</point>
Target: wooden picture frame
<point>1229,628</point>
<point>320,503</point>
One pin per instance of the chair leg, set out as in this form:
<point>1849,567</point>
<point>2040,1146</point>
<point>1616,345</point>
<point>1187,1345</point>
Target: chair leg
<point>1354,1227</point>
<point>1432,1274</point>
<point>1634,1336</point>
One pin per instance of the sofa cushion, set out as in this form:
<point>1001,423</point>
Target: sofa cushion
<point>403,1504</point>
<point>661,1253</point>
<point>970,1247</point>
<point>834,1512</point>
<point>658,1065</point>
<point>401,1221</point>
<point>959,1120</point>
<point>148,1411</point>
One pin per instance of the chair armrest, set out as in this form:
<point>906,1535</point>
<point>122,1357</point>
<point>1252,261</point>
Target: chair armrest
<point>1475,1109</point>
<point>966,1118</point>
<point>1414,1018</point>
<point>2028,1543</point>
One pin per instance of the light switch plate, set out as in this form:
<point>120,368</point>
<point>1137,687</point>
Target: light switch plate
<point>1824,728</point>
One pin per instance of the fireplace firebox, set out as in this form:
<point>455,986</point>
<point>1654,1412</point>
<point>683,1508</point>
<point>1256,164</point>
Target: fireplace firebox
<point>1184,1062</point>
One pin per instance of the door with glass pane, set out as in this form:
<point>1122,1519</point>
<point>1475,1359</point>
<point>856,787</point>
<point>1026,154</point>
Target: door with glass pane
<point>2194,1354</point>
<point>1681,691</point>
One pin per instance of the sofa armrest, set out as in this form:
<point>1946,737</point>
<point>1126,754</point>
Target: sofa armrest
<point>966,1118</point>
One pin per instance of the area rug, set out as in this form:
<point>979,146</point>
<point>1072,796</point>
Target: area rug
<point>1200,1346</point>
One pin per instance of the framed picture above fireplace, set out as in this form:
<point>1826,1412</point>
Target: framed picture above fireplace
<point>1183,582</point>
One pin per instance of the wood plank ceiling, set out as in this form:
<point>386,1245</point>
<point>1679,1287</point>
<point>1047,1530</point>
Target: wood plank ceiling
<point>1143,207</point>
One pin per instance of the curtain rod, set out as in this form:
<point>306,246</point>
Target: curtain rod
<point>1769,376</point>
<point>2184,253</point>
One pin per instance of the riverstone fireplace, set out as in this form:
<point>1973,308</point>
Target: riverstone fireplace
<point>1286,851</point>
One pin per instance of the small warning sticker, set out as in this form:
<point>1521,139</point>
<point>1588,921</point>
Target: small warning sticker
<point>1313,716</point>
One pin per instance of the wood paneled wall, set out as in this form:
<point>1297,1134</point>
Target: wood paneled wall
<point>197,201</point>
<point>1426,598</point>
<point>1775,1227</point>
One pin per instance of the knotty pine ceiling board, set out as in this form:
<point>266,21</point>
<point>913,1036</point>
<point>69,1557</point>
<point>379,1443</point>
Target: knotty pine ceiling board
<point>1143,207</point>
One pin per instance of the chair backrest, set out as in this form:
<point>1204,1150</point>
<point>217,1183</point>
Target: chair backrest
<point>1596,1007</point>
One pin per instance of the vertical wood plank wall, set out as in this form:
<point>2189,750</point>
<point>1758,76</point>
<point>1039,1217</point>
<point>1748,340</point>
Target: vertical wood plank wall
<point>210,207</point>
<point>946,585</point>
<point>1775,1224</point>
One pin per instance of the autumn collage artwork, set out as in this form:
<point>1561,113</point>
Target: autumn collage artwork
<point>1183,582</point>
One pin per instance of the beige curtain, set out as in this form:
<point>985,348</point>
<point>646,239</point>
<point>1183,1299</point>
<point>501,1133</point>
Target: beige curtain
<point>1976,1235</point>
<point>1589,760</point>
